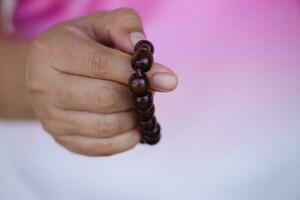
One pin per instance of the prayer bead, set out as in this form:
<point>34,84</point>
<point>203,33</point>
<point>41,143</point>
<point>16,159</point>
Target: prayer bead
<point>142,59</point>
<point>139,84</point>
<point>144,44</point>
<point>149,124</point>
<point>144,102</point>
<point>145,115</point>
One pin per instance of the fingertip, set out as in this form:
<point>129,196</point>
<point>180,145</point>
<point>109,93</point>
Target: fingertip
<point>123,43</point>
<point>127,40</point>
<point>135,37</point>
<point>163,79</point>
<point>164,82</point>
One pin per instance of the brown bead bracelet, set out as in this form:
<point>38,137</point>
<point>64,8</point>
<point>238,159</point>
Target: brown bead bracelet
<point>141,62</point>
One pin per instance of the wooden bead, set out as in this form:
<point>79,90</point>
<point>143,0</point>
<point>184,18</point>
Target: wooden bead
<point>142,59</point>
<point>154,137</point>
<point>149,124</point>
<point>139,84</point>
<point>154,133</point>
<point>152,141</point>
<point>143,141</point>
<point>144,102</point>
<point>145,115</point>
<point>144,44</point>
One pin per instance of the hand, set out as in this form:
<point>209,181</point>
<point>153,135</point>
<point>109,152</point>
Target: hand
<point>77,74</point>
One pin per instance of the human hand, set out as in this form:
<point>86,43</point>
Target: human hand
<point>77,74</point>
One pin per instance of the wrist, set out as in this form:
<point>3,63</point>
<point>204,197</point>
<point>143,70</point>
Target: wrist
<point>14,101</point>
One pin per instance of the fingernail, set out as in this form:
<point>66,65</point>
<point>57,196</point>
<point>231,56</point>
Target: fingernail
<point>135,37</point>
<point>164,81</point>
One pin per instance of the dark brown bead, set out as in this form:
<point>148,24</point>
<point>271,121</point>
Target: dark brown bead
<point>141,62</point>
<point>145,115</point>
<point>152,141</point>
<point>149,124</point>
<point>144,102</point>
<point>142,59</point>
<point>139,84</point>
<point>143,141</point>
<point>154,133</point>
<point>144,44</point>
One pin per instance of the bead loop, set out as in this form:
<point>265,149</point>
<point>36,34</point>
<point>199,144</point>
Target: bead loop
<point>139,85</point>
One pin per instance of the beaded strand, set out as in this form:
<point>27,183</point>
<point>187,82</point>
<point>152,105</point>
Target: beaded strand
<point>139,85</point>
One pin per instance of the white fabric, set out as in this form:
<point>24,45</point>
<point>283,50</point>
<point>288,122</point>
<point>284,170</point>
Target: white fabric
<point>34,167</point>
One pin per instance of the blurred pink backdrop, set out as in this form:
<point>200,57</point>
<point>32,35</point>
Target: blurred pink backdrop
<point>230,130</point>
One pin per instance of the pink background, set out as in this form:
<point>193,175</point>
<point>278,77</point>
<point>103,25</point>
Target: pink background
<point>230,130</point>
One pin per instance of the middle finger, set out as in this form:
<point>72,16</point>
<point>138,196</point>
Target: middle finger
<point>92,95</point>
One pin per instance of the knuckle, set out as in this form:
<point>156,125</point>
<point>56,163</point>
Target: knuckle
<point>62,141</point>
<point>45,126</point>
<point>99,65</point>
<point>49,126</point>
<point>128,15</point>
<point>58,139</point>
<point>127,11</point>
<point>106,99</point>
<point>47,115</point>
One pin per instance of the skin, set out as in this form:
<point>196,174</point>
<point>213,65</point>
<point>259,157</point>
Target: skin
<point>14,100</point>
<point>76,76</point>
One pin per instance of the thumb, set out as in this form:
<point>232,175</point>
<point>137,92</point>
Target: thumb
<point>126,30</point>
<point>121,28</point>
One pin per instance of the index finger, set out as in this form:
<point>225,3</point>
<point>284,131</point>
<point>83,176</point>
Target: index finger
<point>88,58</point>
